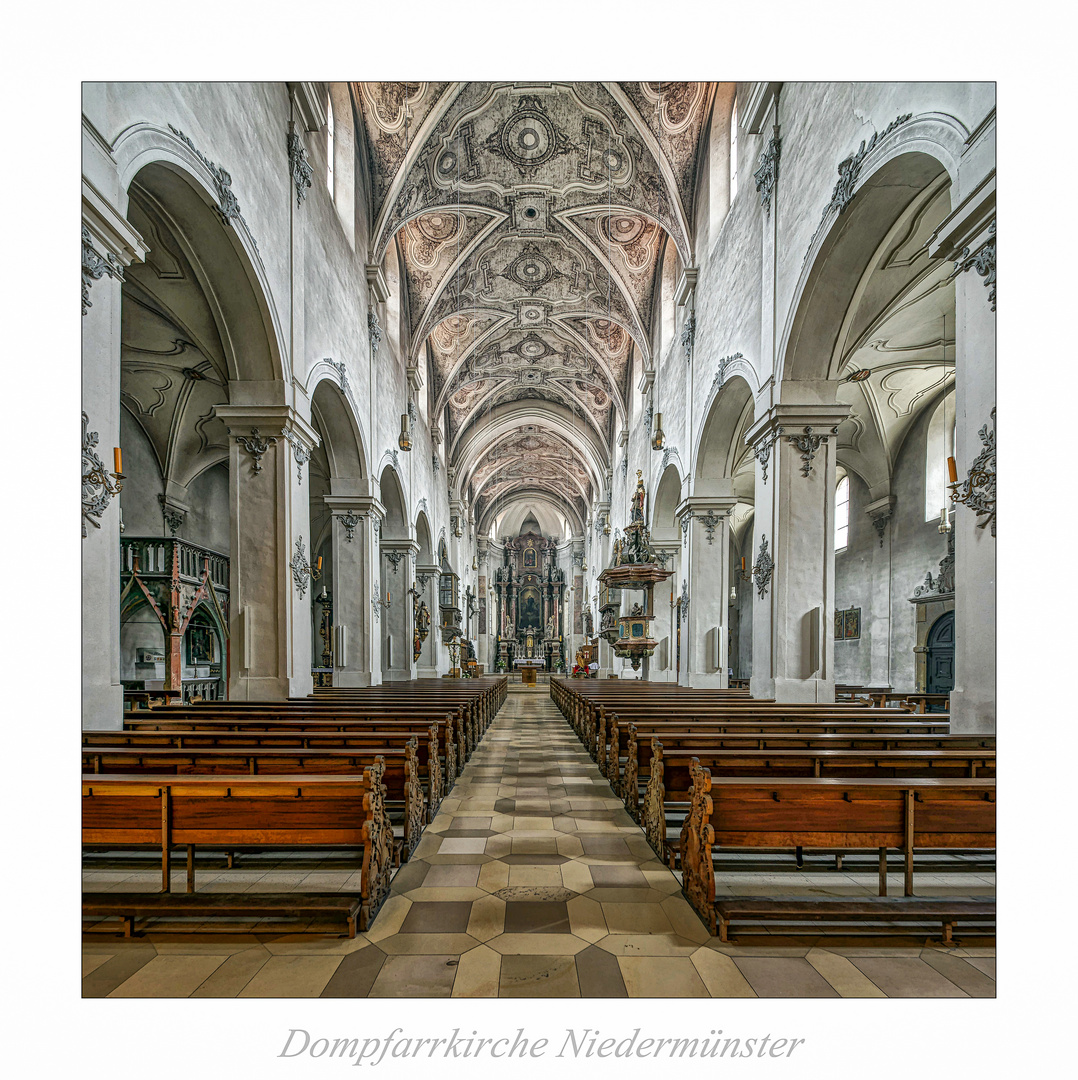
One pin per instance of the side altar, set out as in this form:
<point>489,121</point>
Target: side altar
<point>529,590</point>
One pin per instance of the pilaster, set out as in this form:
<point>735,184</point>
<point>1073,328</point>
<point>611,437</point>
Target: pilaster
<point>270,551</point>
<point>109,244</point>
<point>968,237</point>
<point>354,625</point>
<point>706,571</point>
<point>793,550</point>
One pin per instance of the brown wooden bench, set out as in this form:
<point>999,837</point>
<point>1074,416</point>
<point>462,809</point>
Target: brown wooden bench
<point>131,906</point>
<point>627,772</point>
<point>948,912</point>
<point>429,748</point>
<point>866,814</point>
<point>451,736</point>
<point>405,800</point>
<point>235,812</point>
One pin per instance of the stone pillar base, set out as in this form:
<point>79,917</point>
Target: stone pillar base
<point>973,712</point>
<point>103,708</point>
<point>804,691</point>
<point>715,680</point>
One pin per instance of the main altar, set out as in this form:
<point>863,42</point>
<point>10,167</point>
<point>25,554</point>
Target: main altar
<point>529,590</point>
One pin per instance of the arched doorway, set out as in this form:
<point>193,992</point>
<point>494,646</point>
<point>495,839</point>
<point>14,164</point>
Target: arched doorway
<point>940,660</point>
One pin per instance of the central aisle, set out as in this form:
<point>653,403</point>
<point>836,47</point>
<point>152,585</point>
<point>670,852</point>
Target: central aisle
<point>534,881</point>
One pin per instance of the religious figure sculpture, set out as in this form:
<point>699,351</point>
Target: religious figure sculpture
<point>551,628</point>
<point>588,625</point>
<point>636,505</point>
<point>422,627</point>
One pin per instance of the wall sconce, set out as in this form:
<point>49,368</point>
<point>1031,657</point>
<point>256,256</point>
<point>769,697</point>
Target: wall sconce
<point>733,594</point>
<point>475,563</point>
<point>606,527</point>
<point>405,440</point>
<point>302,570</point>
<point>658,438</point>
<point>944,527</point>
<point>745,576</point>
<point>98,486</point>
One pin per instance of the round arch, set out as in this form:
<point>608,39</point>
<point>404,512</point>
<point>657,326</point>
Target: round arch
<point>189,187</point>
<point>664,524</point>
<point>904,163</point>
<point>721,447</point>
<point>395,524</point>
<point>334,415</point>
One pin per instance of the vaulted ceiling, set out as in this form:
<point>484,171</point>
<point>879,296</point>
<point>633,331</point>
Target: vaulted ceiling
<point>531,221</point>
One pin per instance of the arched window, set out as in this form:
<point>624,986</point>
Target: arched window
<point>842,513</point>
<point>329,144</point>
<point>733,153</point>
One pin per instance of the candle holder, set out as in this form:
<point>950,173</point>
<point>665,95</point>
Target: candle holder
<point>302,571</point>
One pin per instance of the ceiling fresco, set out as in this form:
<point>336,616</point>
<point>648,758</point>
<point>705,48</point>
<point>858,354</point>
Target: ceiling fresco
<point>531,221</point>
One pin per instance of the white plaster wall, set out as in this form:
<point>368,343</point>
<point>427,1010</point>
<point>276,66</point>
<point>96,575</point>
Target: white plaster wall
<point>863,572</point>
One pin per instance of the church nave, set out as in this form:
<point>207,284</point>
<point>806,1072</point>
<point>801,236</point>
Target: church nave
<point>532,881</point>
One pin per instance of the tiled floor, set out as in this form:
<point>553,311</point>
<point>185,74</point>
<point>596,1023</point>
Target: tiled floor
<point>532,881</point>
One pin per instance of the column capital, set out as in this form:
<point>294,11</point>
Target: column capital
<point>791,420</point>
<point>363,505</point>
<point>696,505</point>
<point>271,420</point>
<point>880,513</point>
<point>112,233</point>
<point>409,546</point>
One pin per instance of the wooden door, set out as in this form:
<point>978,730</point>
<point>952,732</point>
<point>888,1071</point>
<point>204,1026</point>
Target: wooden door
<point>940,671</point>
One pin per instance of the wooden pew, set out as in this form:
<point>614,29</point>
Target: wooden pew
<point>881,814</point>
<point>672,773</point>
<point>428,749</point>
<point>451,739</point>
<point>131,906</point>
<point>231,812</point>
<point>404,794</point>
<point>625,777</point>
<point>794,721</point>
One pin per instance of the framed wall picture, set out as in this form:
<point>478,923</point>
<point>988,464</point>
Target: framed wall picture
<point>848,624</point>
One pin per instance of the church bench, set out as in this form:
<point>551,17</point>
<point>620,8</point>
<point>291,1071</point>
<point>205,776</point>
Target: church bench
<point>609,751</point>
<point>235,812</point>
<point>965,752</point>
<point>451,734</point>
<point>595,720</point>
<point>405,798</point>
<point>948,912</point>
<point>131,906</point>
<point>429,745</point>
<point>866,814</point>
<point>669,771</point>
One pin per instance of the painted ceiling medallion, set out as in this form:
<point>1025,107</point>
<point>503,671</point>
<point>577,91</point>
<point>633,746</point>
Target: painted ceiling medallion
<point>529,138</point>
<point>531,270</point>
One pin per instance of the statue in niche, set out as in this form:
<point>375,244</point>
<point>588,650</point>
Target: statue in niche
<point>588,625</point>
<point>551,628</point>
